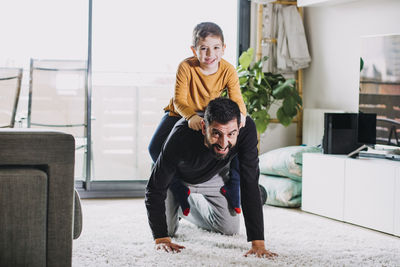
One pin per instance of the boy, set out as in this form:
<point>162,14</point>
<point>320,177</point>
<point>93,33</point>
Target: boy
<point>199,80</point>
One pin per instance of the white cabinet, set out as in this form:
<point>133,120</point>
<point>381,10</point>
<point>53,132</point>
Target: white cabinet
<point>365,192</point>
<point>397,204</point>
<point>369,193</point>
<point>323,189</point>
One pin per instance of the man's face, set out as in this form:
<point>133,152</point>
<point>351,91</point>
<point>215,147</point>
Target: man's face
<point>220,138</point>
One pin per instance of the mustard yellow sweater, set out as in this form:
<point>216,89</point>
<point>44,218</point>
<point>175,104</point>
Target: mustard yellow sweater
<point>193,89</point>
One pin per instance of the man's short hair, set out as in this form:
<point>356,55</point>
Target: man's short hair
<point>221,110</point>
<point>204,29</point>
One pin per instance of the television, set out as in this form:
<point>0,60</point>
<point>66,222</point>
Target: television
<point>379,91</point>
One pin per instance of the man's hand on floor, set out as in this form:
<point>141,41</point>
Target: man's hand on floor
<point>258,249</point>
<point>166,244</point>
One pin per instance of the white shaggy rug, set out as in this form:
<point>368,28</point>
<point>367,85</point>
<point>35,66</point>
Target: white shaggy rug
<point>116,233</point>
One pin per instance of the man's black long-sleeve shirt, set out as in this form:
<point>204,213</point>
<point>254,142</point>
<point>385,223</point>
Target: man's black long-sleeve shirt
<point>184,155</point>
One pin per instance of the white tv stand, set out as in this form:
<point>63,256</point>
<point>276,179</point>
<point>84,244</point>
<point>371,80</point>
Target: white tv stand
<point>361,191</point>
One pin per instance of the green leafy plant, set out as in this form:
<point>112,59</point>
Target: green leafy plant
<point>261,90</point>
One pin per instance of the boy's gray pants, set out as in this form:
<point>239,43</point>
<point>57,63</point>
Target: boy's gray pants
<point>208,209</point>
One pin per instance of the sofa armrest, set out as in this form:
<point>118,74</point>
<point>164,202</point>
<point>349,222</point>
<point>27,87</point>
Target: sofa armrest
<point>77,216</point>
<point>54,153</point>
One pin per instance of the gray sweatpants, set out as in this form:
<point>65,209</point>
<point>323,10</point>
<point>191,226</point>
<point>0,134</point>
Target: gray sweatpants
<point>208,209</point>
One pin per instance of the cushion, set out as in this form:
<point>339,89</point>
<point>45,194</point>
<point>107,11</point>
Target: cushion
<point>285,161</point>
<point>281,191</point>
<point>23,216</point>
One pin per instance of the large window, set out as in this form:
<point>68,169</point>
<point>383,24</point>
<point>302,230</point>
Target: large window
<point>136,50</point>
<point>135,47</point>
<point>44,29</point>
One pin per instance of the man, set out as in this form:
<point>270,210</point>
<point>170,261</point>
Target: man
<point>200,159</point>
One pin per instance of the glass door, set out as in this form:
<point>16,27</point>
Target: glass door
<point>132,50</point>
<point>136,49</point>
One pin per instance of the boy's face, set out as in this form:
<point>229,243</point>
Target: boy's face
<point>209,52</point>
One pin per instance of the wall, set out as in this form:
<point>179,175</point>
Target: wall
<point>333,33</point>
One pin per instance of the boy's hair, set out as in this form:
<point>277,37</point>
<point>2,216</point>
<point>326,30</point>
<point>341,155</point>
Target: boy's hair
<point>204,29</point>
<point>221,110</point>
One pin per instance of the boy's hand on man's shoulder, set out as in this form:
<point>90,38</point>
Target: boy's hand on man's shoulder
<point>242,120</point>
<point>195,122</point>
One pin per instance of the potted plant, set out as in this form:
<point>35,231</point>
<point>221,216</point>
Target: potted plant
<point>262,90</point>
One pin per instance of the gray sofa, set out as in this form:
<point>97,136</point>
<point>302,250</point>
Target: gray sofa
<point>40,210</point>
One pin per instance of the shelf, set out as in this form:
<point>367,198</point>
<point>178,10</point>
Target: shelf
<point>285,2</point>
<point>304,3</point>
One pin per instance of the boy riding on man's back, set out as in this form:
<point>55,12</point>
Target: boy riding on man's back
<point>199,80</point>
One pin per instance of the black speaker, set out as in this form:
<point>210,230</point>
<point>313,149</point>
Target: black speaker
<point>340,133</point>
